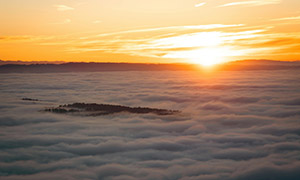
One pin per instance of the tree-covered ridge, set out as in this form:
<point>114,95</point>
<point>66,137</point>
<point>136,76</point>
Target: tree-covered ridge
<point>94,109</point>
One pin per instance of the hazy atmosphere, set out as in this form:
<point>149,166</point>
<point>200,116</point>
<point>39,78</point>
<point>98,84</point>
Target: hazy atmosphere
<point>150,89</point>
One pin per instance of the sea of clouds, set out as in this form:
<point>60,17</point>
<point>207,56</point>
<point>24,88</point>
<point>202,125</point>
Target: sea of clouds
<point>242,125</point>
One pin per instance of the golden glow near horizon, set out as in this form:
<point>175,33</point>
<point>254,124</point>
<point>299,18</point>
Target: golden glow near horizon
<point>205,32</point>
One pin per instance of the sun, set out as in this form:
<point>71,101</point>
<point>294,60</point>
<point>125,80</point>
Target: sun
<point>206,56</point>
<point>204,48</point>
<point>211,56</point>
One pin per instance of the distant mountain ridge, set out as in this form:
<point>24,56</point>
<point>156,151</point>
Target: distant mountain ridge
<point>100,67</point>
<point>2,62</point>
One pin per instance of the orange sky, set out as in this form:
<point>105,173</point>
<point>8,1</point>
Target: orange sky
<point>158,31</point>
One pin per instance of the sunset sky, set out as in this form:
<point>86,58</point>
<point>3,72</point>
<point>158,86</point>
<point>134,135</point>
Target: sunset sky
<point>149,31</point>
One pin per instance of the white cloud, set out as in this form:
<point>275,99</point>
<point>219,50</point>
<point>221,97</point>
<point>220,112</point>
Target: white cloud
<point>200,4</point>
<point>97,22</point>
<point>252,3</point>
<point>287,18</point>
<point>63,8</point>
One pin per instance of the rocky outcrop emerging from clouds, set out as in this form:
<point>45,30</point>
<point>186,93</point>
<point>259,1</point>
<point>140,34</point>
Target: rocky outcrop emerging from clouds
<point>94,109</point>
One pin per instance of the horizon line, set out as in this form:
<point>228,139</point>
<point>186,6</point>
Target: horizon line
<point>19,62</point>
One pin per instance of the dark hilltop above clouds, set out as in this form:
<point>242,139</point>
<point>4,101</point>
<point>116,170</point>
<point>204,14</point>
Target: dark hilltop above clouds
<point>44,67</point>
<point>94,109</point>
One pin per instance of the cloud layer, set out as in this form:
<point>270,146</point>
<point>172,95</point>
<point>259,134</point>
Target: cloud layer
<point>234,125</point>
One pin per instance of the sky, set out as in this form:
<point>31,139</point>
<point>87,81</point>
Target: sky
<point>149,31</point>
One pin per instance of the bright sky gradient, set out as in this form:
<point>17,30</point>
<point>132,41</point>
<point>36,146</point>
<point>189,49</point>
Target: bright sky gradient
<point>151,31</point>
